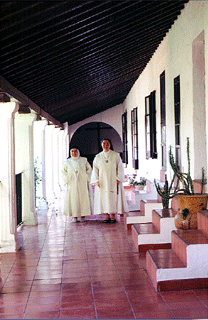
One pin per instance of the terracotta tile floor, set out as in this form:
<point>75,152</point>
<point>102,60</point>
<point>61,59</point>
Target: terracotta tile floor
<point>85,270</point>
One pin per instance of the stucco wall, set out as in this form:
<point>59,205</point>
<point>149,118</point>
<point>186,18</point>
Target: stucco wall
<point>111,116</point>
<point>174,55</point>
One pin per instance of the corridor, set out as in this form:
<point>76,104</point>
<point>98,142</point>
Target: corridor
<point>85,270</point>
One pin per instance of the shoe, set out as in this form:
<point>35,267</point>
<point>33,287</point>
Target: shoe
<point>75,219</point>
<point>113,220</point>
<point>107,220</point>
<point>82,219</point>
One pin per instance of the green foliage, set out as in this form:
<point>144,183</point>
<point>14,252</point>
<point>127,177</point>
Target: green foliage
<point>167,192</point>
<point>134,182</point>
<point>37,178</point>
<point>185,178</point>
<point>202,181</point>
<point>37,173</point>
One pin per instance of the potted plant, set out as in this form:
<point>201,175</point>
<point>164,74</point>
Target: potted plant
<point>189,202</point>
<point>139,185</point>
<point>167,192</point>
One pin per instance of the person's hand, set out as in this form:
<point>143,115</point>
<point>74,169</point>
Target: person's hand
<point>98,184</point>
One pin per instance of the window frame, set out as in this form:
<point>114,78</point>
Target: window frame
<point>163,122</point>
<point>150,126</point>
<point>134,139</point>
<point>177,118</point>
<point>125,138</point>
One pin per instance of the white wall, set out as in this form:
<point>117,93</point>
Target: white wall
<point>174,55</point>
<point>111,116</point>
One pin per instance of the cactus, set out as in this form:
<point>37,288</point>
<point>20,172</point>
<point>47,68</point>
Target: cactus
<point>166,193</point>
<point>202,180</point>
<point>185,178</point>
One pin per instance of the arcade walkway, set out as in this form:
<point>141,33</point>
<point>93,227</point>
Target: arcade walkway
<point>85,271</point>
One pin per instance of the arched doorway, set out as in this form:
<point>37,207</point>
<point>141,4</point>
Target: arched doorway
<point>88,137</point>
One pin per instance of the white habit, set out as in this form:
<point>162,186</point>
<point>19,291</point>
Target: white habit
<point>76,174</point>
<point>107,169</point>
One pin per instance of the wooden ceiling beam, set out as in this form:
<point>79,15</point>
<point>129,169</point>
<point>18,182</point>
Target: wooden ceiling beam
<point>19,96</point>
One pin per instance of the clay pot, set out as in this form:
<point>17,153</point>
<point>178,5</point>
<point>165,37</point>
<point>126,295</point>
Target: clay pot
<point>189,205</point>
<point>189,223</point>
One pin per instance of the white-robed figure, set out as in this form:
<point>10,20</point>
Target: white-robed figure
<point>107,176</point>
<point>76,175</point>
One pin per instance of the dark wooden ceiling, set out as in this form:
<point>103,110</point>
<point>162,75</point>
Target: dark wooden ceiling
<point>77,58</point>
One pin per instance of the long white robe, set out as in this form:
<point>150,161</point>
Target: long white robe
<point>76,175</point>
<point>107,169</point>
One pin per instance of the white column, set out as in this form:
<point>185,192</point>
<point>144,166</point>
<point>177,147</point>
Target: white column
<point>8,210</point>
<point>66,141</point>
<point>25,164</point>
<point>49,162</point>
<point>56,151</point>
<point>64,154</point>
<point>39,157</point>
<point>61,158</point>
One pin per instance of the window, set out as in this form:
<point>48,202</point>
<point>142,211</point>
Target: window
<point>150,126</point>
<point>163,121</point>
<point>125,141</point>
<point>177,120</point>
<point>147,126</point>
<point>134,137</point>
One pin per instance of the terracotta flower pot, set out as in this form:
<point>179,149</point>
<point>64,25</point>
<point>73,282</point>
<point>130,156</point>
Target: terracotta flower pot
<point>189,205</point>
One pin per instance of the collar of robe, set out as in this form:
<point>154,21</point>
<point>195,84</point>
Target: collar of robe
<point>106,155</point>
<point>75,162</point>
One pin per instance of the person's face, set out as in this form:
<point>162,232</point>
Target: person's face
<point>106,145</point>
<point>74,153</point>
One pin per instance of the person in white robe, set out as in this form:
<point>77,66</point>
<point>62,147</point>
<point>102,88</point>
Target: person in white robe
<point>108,176</point>
<point>76,175</point>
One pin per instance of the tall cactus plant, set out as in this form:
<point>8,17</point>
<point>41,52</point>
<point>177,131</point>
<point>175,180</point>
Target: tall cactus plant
<point>167,192</point>
<point>185,178</point>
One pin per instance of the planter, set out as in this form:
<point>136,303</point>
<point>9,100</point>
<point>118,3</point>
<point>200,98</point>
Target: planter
<point>139,187</point>
<point>189,205</point>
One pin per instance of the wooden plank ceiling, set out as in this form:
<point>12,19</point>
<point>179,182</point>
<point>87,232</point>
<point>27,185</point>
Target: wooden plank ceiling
<point>77,58</point>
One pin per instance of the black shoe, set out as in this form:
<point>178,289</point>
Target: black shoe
<point>107,220</point>
<point>113,220</point>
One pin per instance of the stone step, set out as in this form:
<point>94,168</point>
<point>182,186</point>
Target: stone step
<point>202,217</point>
<point>159,214</point>
<point>162,259</point>
<point>183,238</point>
<point>134,197</point>
<point>131,218</point>
<point>184,266</point>
<point>146,207</point>
<point>155,234</point>
<point>144,214</point>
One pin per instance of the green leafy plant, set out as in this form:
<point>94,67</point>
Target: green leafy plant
<point>134,182</point>
<point>37,178</point>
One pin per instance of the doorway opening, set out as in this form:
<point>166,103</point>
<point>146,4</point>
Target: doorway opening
<point>88,139</point>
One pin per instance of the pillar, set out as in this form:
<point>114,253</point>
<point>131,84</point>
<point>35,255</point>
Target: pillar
<point>56,152</point>
<point>25,164</point>
<point>49,160</point>
<point>8,211</point>
<point>39,157</point>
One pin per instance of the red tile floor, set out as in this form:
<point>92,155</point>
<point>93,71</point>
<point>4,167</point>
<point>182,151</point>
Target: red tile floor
<point>85,270</point>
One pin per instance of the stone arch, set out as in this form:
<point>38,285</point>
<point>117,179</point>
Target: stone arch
<point>88,137</point>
